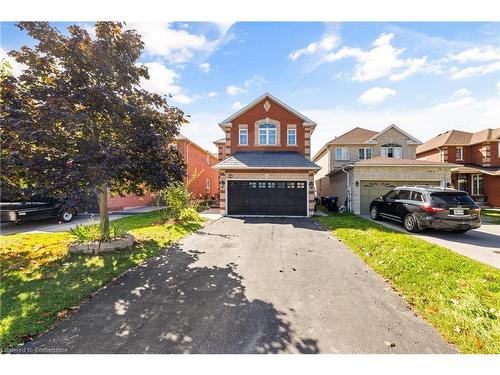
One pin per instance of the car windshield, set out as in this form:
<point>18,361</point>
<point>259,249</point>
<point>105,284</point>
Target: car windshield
<point>450,199</point>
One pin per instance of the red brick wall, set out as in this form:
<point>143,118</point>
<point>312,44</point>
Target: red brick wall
<point>199,162</point>
<point>491,187</point>
<point>277,113</point>
<point>432,155</point>
<point>495,157</point>
<point>119,203</point>
<point>476,156</point>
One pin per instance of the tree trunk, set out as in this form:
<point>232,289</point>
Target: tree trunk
<point>103,211</point>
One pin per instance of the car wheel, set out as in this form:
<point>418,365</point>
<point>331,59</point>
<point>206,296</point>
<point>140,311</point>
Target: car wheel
<point>374,213</point>
<point>460,230</point>
<point>66,216</point>
<point>410,223</point>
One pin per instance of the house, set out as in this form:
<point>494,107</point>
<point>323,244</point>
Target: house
<point>362,164</point>
<point>199,164</point>
<point>479,157</point>
<point>264,161</point>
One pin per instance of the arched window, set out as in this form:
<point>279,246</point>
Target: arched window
<point>267,134</point>
<point>391,150</point>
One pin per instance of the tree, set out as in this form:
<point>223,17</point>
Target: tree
<point>77,119</point>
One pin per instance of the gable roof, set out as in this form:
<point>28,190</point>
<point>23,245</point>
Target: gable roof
<point>228,120</point>
<point>392,126</point>
<point>459,138</point>
<point>181,137</point>
<point>266,160</point>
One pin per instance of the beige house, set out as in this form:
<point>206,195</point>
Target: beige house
<point>362,164</point>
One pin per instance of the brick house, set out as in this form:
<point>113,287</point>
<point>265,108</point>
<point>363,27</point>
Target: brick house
<point>264,161</point>
<point>479,157</point>
<point>363,164</point>
<point>199,162</point>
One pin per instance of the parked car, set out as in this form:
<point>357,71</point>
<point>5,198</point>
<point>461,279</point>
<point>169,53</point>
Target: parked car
<point>35,210</point>
<point>420,207</point>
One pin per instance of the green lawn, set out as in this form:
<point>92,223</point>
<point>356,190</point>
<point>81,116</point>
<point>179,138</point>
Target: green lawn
<point>40,282</point>
<point>490,216</point>
<point>458,296</point>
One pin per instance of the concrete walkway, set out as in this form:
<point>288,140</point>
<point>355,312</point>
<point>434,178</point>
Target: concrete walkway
<point>482,244</point>
<point>248,286</point>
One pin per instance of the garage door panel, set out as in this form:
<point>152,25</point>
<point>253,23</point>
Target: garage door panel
<point>371,189</point>
<point>267,198</point>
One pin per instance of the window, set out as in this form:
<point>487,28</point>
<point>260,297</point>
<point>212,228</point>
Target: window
<point>391,195</point>
<point>364,153</point>
<point>459,153</point>
<point>262,185</point>
<point>290,185</point>
<point>301,185</point>
<point>404,194</point>
<point>271,185</point>
<point>477,184</point>
<point>281,185</point>
<point>416,196</point>
<point>243,136</point>
<point>462,182</point>
<point>252,185</point>
<point>292,137</point>
<point>208,184</point>
<point>341,153</point>
<point>267,134</point>
<point>391,150</point>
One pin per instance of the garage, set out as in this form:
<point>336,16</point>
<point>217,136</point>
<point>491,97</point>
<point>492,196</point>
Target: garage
<point>371,189</point>
<point>258,197</point>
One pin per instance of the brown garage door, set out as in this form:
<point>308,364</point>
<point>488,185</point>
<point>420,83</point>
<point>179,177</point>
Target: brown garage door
<point>373,189</point>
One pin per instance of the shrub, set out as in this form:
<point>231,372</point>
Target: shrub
<point>93,233</point>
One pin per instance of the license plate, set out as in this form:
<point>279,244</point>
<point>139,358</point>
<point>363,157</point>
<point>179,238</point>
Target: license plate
<point>458,212</point>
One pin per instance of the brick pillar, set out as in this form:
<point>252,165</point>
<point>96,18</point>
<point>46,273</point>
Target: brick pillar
<point>486,152</point>
<point>307,142</point>
<point>310,182</point>
<point>222,192</point>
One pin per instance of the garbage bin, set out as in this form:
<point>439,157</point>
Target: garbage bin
<point>331,203</point>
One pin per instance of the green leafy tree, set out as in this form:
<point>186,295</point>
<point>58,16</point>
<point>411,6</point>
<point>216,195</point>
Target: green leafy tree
<point>77,120</point>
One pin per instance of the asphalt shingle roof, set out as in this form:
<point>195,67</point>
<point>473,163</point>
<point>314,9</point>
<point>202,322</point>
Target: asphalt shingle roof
<point>266,159</point>
<point>459,138</point>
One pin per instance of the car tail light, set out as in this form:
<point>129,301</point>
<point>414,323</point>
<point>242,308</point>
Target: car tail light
<point>428,208</point>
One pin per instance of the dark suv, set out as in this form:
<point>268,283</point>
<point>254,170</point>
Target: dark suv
<point>420,207</point>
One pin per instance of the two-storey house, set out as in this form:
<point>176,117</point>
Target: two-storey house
<point>265,166</point>
<point>479,157</point>
<point>362,164</point>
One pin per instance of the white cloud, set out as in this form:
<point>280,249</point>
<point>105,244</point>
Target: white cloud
<point>205,67</point>
<point>17,68</point>
<point>175,45</point>
<point>325,44</point>
<point>198,131</point>
<point>487,53</point>
<point>462,92</point>
<point>237,105</point>
<point>376,95</point>
<point>234,90</point>
<point>256,80</point>
<point>162,80</point>
<point>473,71</point>
<point>212,94</point>
<point>381,60</point>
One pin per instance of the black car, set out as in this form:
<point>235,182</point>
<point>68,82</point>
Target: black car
<point>34,210</point>
<point>421,207</point>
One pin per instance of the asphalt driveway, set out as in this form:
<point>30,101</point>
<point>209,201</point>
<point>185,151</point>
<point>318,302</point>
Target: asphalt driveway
<point>482,244</point>
<point>247,286</point>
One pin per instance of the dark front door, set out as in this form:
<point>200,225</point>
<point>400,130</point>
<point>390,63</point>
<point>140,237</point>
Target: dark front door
<point>267,198</point>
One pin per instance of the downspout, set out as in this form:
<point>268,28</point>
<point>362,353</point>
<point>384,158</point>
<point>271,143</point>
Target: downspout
<point>441,157</point>
<point>348,190</point>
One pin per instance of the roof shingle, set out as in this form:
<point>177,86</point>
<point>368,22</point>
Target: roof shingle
<point>459,138</point>
<point>266,159</point>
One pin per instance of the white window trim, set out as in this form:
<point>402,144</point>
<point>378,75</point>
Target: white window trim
<point>208,184</point>
<point>386,149</point>
<point>294,136</point>
<point>473,187</point>
<point>461,153</point>
<point>277,134</point>
<point>342,153</point>
<point>240,129</point>
<point>364,152</point>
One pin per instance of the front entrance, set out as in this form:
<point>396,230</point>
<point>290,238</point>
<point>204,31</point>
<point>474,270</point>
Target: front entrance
<point>281,198</point>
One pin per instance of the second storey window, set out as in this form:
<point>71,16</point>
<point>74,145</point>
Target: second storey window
<point>292,137</point>
<point>391,150</point>
<point>243,136</point>
<point>365,153</point>
<point>459,153</point>
<point>267,134</point>
<point>341,153</point>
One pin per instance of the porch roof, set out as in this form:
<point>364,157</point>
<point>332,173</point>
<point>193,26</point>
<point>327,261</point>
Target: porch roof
<point>474,169</point>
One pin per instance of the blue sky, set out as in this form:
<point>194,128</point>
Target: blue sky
<point>424,77</point>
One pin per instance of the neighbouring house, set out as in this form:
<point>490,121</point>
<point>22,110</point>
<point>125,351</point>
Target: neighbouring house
<point>264,161</point>
<point>479,157</point>
<point>362,164</point>
<point>204,179</point>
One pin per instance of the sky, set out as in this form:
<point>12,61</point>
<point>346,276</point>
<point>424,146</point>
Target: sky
<point>426,78</point>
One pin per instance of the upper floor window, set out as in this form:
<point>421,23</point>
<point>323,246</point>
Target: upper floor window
<point>292,137</point>
<point>267,134</point>
<point>391,150</point>
<point>243,137</point>
<point>365,153</point>
<point>459,153</point>
<point>341,153</point>
<point>208,184</point>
